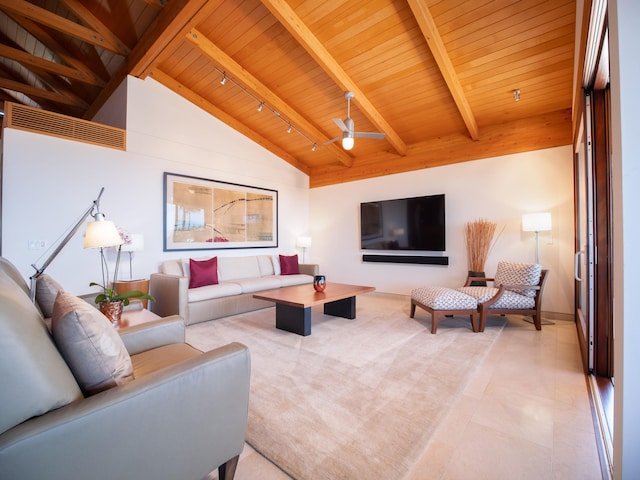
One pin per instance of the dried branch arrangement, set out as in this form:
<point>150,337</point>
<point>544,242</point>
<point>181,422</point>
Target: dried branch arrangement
<point>479,237</point>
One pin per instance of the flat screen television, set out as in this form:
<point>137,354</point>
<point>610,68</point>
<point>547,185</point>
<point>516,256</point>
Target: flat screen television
<point>413,224</point>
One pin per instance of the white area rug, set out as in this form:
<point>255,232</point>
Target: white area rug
<point>357,399</point>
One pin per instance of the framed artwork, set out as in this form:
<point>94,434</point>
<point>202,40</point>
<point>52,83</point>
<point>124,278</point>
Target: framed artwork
<point>203,214</point>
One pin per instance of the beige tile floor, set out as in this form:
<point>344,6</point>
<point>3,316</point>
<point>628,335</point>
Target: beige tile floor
<point>524,415</point>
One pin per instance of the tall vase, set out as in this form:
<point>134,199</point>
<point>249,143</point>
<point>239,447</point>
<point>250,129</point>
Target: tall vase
<point>479,283</point>
<point>113,311</point>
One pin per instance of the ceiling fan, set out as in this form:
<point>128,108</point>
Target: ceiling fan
<point>346,125</point>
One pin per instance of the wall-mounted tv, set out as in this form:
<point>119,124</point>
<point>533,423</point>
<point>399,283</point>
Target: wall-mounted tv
<point>416,223</point>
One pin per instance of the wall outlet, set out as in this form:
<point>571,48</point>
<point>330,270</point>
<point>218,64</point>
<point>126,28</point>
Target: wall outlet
<point>37,244</point>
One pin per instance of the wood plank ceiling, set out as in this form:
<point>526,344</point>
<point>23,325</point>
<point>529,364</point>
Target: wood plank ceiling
<point>437,77</point>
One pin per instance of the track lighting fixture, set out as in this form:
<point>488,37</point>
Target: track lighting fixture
<point>516,94</point>
<point>262,105</point>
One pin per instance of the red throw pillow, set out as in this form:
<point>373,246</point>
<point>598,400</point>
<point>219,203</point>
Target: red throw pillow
<point>203,272</point>
<point>289,265</point>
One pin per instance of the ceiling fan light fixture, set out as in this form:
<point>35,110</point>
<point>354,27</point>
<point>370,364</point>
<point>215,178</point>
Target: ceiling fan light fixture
<point>347,140</point>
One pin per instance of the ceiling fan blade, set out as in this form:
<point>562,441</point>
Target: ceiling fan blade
<point>333,140</point>
<point>368,134</point>
<point>340,124</point>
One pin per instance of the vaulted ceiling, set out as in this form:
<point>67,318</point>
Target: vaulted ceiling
<point>437,77</point>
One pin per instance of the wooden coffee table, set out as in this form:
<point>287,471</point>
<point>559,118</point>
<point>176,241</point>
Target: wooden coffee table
<point>293,304</point>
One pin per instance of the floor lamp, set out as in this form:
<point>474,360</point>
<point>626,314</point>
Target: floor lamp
<point>95,205</point>
<point>537,222</point>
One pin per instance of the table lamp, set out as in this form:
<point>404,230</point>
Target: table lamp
<point>304,243</point>
<point>136,244</point>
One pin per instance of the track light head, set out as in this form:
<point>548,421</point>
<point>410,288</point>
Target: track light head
<point>289,129</point>
<point>314,148</point>
<point>260,106</point>
<point>224,79</point>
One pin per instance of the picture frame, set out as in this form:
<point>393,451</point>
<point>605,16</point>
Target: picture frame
<point>205,214</point>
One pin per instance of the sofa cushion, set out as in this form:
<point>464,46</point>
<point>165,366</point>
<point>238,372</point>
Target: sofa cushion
<point>203,272</point>
<point>224,289</point>
<point>46,292</point>
<point>275,261</point>
<point>265,263</point>
<point>90,345</point>
<point>251,285</point>
<point>232,268</point>
<point>291,280</point>
<point>289,265</point>
<point>174,267</point>
<point>34,377</point>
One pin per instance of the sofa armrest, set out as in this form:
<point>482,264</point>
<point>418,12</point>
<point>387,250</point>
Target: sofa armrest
<point>170,293</point>
<point>312,269</point>
<point>196,409</point>
<point>146,336</point>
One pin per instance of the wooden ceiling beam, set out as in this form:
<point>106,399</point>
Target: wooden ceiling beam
<point>177,12</point>
<point>239,74</point>
<point>296,27</point>
<point>88,18</point>
<point>63,51</point>
<point>29,60</point>
<point>432,36</point>
<point>32,91</point>
<point>173,24</point>
<point>45,17</point>
<point>207,106</point>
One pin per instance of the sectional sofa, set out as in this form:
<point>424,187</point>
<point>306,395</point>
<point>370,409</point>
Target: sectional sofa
<point>236,280</point>
<point>83,400</point>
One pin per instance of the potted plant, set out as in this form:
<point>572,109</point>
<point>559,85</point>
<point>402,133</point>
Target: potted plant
<point>110,302</point>
<point>478,236</point>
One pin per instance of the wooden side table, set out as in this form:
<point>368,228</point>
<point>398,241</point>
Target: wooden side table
<point>122,286</point>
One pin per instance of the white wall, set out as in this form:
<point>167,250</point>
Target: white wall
<point>500,189</point>
<point>48,182</point>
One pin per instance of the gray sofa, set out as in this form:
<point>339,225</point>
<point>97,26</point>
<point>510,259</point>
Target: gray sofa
<point>239,278</point>
<point>182,413</point>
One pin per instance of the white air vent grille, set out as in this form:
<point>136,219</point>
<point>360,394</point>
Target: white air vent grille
<point>32,119</point>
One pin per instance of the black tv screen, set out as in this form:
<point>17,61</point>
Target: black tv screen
<point>416,223</point>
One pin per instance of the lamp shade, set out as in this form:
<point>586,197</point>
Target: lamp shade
<point>101,233</point>
<point>536,222</point>
<point>303,242</point>
<point>135,245</point>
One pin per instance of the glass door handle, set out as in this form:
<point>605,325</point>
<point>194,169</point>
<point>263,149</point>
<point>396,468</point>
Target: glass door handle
<point>576,265</point>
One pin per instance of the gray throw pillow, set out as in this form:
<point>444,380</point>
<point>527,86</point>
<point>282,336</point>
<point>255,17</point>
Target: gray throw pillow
<point>89,344</point>
<point>46,292</point>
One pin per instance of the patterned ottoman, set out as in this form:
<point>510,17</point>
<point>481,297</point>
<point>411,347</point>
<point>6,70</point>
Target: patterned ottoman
<point>439,301</point>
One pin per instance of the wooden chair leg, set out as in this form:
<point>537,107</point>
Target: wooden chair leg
<point>227,470</point>
<point>434,322</point>
<point>483,318</point>
<point>413,309</point>
<point>474,321</point>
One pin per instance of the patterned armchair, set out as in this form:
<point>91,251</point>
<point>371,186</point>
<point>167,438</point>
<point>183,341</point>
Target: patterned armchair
<point>517,289</point>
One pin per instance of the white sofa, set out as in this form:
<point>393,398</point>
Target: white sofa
<point>239,278</point>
